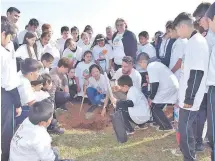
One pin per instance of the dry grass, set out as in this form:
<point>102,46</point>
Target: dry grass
<point>147,145</point>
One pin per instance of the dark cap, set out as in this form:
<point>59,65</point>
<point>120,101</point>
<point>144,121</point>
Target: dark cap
<point>211,12</point>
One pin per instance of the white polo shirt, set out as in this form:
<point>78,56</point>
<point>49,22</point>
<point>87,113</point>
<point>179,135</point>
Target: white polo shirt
<point>196,58</point>
<point>168,84</point>
<point>147,48</point>
<point>40,49</point>
<point>210,37</point>
<point>54,52</point>
<point>140,112</point>
<point>60,45</point>
<point>98,84</point>
<point>31,143</point>
<point>118,49</point>
<point>9,77</point>
<point>135,76</point>
<point>211,70</point>
<point>177,53</point>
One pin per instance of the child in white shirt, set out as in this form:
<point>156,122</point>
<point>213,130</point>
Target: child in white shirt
<point>135,108</point>
<point>61,42</point>
<point>72,83</point>
<point>102,53</point>
<point>82,72</point>
<point>72,51</point>
<point>46,60</point>
<point>84,44</point>
<point>28,49</point>
<point>29,72</point>
<point>32,141</point>
<point>41,43</point>
<point>96,87</point>
<point>75,34</point>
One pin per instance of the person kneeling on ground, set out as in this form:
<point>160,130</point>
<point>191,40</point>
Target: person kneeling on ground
<point>32,141</point>
<point>96,89</point>
<point>164,87</point>
<point>135,108</point>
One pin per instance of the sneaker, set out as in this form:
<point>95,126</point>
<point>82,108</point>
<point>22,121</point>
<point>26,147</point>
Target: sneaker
<point>143,127</point>
<point>129,133</point>
<point>200,147</point>
<point>56,130</point>
<point>63,108</point>
<point>164,129</point>
<point>154,124</point>
<point>177,152</point>
<point>89,115</point>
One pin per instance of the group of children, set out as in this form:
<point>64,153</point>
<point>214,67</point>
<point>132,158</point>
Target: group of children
<point>42,75</point>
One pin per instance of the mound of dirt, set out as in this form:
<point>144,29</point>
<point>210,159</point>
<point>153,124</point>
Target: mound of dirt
<point>72,120</point>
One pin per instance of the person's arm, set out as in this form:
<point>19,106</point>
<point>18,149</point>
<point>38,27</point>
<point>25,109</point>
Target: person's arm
<point>193,83</point>
<point>55,84</point>
<point>65,83</point>
<point>124,103</point>
<point>177,65</point>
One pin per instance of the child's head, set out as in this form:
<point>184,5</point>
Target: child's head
<point>109,32</point>
<point>71,73</point>
<point>88,29</point>
<point>168,26</point>
<point>125,82</point>
<point>87,56</point>
<point>100,40</point>
<point>7,31</point>
<point>142,60</point>
<point>70,43</point>
<point>95,71</point>
<point>30,68</point>
<point>47,60</point>
<point>33,25</point>
<point>29,39</point>
<point>37,84</point>
<point>199,15</point>
<point>63,65</point>
<point>184,24</point>
<point>75,32</point>
<point>211,17</point>
<point>47,82</point>
<point>41,113</point>
<point>85,38</point>
<point>45,37</point>
<point>47,28</point>
<point>143,37</point>
<point>65,32</point>
<point>171,31</point>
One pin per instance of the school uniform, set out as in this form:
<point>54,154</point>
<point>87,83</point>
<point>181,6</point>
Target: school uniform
<point>10,99</point>
<point>72,87</point>
<point>75,55</point>
<point>31,142</point>
<point>163,46</point>
<point>164,90</point>
<point>40,49</point>
<point>82,72</point>
<point>134,109</point>
<point>27,95</point>
<point>41,95</point>
<point>135,76</point>
<point>192,88</point>
<point>103,55</point>
<point>54,52</point>
<point>44,70</point>
<point>177,53</point>
<point>92,91</point>
<point>60,45</point>
<point>22,52</point>
<point>21,36</point>
<point>211,102</point>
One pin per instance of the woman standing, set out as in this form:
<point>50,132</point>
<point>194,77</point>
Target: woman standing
<point>124,43</point>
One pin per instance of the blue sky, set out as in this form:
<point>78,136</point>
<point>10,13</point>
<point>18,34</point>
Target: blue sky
<point>149,15</point>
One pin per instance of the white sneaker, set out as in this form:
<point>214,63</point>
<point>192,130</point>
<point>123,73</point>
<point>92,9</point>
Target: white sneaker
<point>129,133</point>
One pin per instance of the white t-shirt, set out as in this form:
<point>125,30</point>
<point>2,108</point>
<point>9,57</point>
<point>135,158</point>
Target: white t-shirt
<point>10,47</point>
<point>140,112</point>
<point>84,48</point>
<point>210,37</point>
<point>196,58</point>
<point>98,84</point>
<point>41,95</point>
<point>22,35</point>
<point>118,49</point>
<point>54,52</point>
<point>26,92</point>
<point>9,77</point>
<point>135,76</point>
<point>40,49</point>
<point>77,55</point>
<point>211,70</point>
<point>82,71</point>
<point>105,52</point>
<point>60,45</point>
<point>177,53</point>
<point>162,51</point>
<point>22,52</point>
<point>31,143</point>
<point>168,84</point>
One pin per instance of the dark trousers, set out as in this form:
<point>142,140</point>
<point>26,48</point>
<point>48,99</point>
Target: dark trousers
<point>211,119</point>
<point>61,98</point>
<point>23,116</point>
<point>7,123</point>
<point>159,116</point>
<point>73,90</point>
<point>187,138</point>
<point>116,67</point>
<point>200,120</point>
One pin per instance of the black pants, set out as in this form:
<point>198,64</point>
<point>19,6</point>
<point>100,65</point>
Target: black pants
<point>73,90</point>
<point>116,67</point>
<point>7,123</point>
<point>159,116</point>
<point>187,138</point>
<point>211,119</point>
<point>200,120</point>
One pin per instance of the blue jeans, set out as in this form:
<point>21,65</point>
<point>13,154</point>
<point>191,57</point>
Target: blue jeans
<point>23,116</point>
<point>93,96</point>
